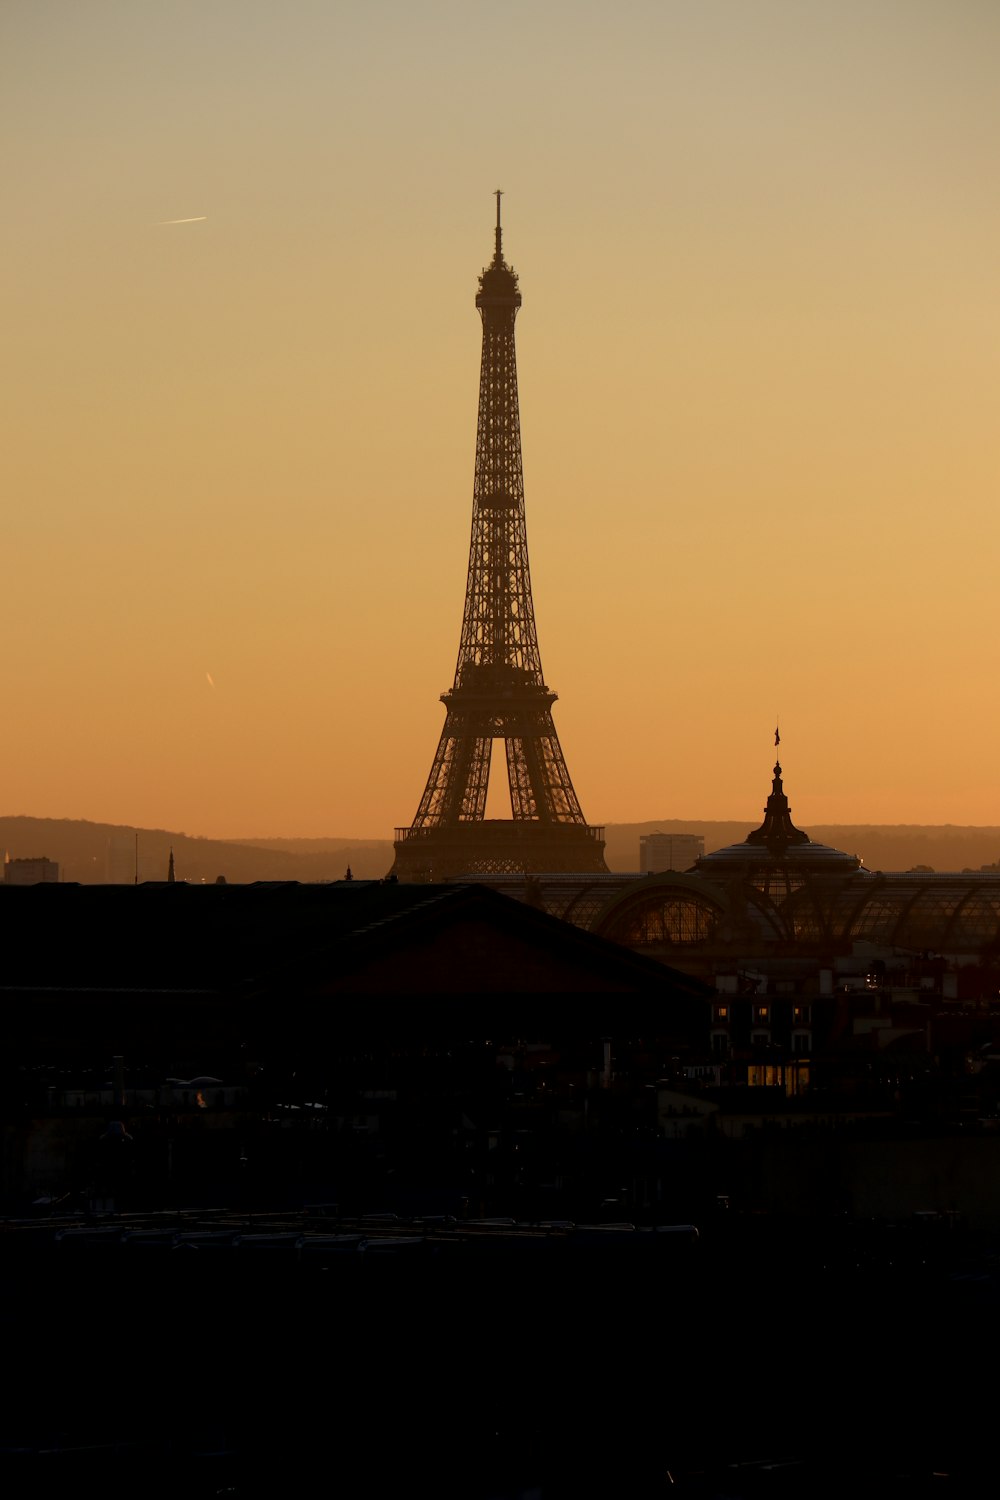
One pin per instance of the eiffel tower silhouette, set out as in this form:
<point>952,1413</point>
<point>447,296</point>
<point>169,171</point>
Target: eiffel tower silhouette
<point>499,691</point>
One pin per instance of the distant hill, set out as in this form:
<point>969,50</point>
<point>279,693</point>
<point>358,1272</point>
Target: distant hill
<point>314,846</point>
<point>92,853</point>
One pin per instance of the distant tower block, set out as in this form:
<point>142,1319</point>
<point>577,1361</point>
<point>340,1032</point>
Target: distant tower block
<point>669,851</point>
<point>30,872</point>
<point>499,691</point>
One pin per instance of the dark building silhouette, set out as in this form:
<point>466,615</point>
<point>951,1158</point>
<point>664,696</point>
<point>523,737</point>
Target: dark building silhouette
<point>499,691</point>
<point>348,993</point>
<point>31,872</point>
<point>833,986</point>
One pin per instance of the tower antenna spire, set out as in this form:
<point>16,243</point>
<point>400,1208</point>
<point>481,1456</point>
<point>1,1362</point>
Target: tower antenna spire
<point>498,194</point>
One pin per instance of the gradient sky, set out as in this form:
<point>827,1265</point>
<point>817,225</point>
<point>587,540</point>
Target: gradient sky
<point>759,366</point>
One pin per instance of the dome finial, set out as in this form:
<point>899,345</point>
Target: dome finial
<point>776,857</point>
<point>777,831</point>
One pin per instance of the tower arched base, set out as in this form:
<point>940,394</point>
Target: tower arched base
<point>496,846</point>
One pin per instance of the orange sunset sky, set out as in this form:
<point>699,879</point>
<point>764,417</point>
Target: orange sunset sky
<point>759,367</point>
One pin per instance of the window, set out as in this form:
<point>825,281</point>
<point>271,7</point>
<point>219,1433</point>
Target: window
<point>761,1015</point>
<point>765,1075</point>
<point>801,1015</point>
<point>722,1013</point>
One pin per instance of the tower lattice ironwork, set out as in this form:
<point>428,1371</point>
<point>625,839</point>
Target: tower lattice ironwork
<point>499,691</point>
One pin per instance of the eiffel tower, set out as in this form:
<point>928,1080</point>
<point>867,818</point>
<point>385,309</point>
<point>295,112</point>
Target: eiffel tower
<point>499,691</point>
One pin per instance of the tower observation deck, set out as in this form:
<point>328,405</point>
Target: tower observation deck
<point>499,691</point>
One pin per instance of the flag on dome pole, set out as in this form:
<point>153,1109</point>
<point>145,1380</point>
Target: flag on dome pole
<point>777,736</point>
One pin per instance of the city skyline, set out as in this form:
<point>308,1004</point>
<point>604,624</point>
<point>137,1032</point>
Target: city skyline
<point>758,367</point>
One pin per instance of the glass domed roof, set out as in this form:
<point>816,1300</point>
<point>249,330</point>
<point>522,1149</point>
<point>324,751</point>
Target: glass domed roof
<point>776,846</point>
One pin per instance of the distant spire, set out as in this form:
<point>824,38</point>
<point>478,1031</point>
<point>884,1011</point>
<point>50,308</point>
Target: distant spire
<point>498,194</point>
<point>348,876</point>
<point>170,869</point>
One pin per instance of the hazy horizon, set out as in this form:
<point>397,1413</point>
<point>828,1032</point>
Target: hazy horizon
<point>758,370</point>
<point>676,824</point>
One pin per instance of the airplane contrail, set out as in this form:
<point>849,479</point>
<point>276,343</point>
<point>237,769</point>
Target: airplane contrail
<point>198,219</point>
